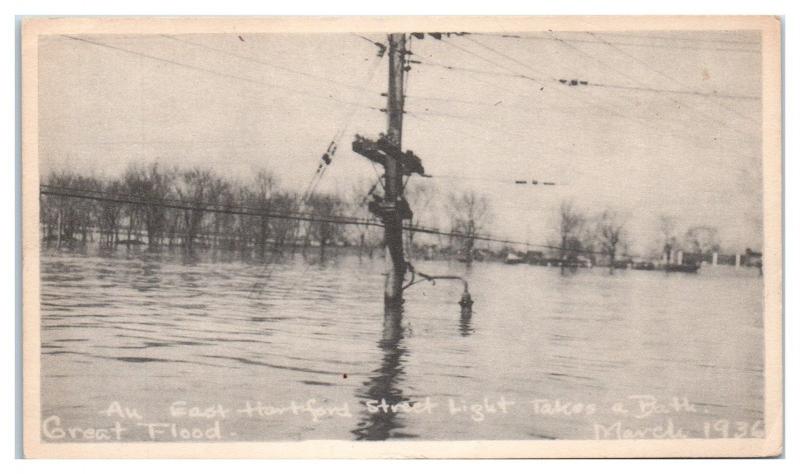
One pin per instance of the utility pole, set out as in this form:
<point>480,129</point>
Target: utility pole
<point>387,151</point>
<point>393,223</point>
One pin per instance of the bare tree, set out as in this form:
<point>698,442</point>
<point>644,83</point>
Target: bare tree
<point>703,240</point>
<point>470,213</point>
<point>570,226</point>
<point>58,212</point>
<point>241,229</point>
<point>131,186</point>
<point>151,185</point>
<point>262,190</point>
<point>86,210</point>
<point>174,225</point>
<point>610,233</point>
<point>110,215</point>
<point>284,230</point>
<point>326,233</point>
<point>421,197</point>
<point>194,189</point>
<point>356,204</point>
<point>222,195</point>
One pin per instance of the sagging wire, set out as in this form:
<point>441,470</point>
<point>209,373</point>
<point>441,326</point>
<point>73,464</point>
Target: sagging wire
<point>327,157</point>
<point>325,160</point>
<point>381,47</point>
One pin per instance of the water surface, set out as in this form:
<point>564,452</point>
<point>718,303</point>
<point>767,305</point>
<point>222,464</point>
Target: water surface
<point>147,330</point>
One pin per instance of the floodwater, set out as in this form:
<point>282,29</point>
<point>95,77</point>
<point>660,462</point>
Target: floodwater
<point>299,349</point>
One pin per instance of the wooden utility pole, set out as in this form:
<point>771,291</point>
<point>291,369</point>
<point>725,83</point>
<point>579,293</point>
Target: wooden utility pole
<point>393,224</point>
<point>387,151</point>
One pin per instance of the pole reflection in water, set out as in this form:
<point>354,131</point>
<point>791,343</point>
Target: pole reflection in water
<point>465,323</point>
<point>386,382</point>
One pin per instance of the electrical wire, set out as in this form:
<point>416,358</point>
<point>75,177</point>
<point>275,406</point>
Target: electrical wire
<point>642,86</point>
<point>76,193</point>
<point>623,43</point>
<point>268,64</point>
<point>218,73</point>
<point>667,76</point>
<point>640,121</point>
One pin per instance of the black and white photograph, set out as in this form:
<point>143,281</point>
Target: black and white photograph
<point>376,237</point>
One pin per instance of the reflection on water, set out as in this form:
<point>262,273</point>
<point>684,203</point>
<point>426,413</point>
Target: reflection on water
<point>465,323</point>
<point>386,383</point>
<point>147,329</point>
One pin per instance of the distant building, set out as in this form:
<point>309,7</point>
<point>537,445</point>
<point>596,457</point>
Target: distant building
<point>752,259</point>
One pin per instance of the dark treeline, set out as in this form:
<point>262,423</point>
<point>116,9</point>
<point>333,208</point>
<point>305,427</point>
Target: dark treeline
<point>146,221</point>
<point>605,239</point>
<point>578,237</point>
<point>74,221</point>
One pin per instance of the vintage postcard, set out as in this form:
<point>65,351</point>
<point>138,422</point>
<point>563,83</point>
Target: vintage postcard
<point>402,237</point>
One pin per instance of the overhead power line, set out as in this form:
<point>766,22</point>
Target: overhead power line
<point>327,157</point>
<point>427,116</point>
<point>449,99</point>
<point>527,66</point>
<point>218,73</point>
<point>566,82</point>
<point>509,181</point>
<point>645,87</point>
<point>663,74</point>
<point>629,43</point>
<point>77,193</point>
<point>373,42</point>
<point>642,121</point>
<point>198,206</point>
<point>541,79</point>
<point>269,64</point>
<point>674,91</point>
<point>676,38</point>
<point>499,240</point>
<point>587,83</point>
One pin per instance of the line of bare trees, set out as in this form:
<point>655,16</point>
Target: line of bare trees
<point>582,235</point>
<point>607,235</point>
<point>143,221</point>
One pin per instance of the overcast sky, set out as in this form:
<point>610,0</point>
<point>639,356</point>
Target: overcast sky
<point>238,104</point>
